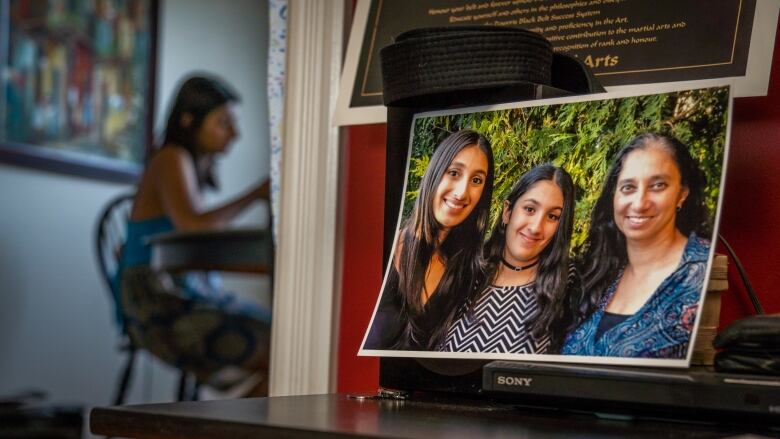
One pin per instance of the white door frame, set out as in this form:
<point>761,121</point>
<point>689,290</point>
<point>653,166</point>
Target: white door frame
<point>305,290</point>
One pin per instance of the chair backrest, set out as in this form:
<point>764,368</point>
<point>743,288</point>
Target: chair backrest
<point>110,238</point>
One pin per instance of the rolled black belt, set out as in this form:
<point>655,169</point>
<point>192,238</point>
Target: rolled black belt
<point>437,60</point>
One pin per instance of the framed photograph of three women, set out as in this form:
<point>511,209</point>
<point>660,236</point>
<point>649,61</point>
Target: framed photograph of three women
<point>575,229</point>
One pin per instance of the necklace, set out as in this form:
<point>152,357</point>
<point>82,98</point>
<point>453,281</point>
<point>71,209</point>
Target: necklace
<point>512,267</point>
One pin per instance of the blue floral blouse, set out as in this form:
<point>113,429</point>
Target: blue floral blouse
<point>662,327</point>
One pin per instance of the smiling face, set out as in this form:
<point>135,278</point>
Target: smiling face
<point>532,222</point>
<point>460,188</point>
<point>217,130</point>
<point>647,194</point>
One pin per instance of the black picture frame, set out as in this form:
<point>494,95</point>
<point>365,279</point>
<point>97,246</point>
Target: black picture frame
<point>77,85</point>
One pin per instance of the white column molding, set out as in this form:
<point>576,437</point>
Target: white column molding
<point>304,282</point>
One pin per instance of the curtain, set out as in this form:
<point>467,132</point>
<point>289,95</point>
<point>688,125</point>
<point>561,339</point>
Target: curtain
<point>277,15</point>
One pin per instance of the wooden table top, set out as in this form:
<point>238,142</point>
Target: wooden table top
<point>237,250</point>
<point>340,416</point>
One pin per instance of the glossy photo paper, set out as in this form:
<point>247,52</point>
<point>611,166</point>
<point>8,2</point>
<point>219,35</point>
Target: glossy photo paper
<point>576,229</point>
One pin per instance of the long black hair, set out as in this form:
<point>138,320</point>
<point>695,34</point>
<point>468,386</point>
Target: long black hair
<point>197,96</point>
<point>460,250</point>
<point>605,251</point>
<point>553,277</point>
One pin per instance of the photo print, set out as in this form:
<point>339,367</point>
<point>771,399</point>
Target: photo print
<point>576,229</point>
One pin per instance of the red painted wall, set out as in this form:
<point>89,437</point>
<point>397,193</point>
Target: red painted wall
<point>751,203</point>
<point>362,277</point>
<point>750,221</point>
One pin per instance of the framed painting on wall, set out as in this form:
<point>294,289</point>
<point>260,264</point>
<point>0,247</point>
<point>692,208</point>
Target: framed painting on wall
<point>77,85</point>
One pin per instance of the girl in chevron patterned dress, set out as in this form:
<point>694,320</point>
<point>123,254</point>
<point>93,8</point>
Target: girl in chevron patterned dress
<point>524,306</point>
<point>437,260</point>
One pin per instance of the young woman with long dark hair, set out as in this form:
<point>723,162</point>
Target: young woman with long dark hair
<point>524,303</point>
<point>161,309</point>
<point>436,261</point>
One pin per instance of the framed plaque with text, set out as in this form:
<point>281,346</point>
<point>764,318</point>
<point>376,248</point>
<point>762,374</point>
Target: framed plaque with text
<point>625,42</point>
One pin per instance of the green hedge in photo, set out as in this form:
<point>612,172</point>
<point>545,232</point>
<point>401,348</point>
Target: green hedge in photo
<point>582,138</point>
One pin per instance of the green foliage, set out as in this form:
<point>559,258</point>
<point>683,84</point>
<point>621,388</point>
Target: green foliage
<point>582,137</point>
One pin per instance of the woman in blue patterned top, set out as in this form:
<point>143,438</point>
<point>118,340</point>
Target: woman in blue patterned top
<point>645,264</point>
<point>524,305</point>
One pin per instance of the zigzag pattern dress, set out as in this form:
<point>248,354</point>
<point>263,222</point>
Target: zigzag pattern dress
<point>498,323</point>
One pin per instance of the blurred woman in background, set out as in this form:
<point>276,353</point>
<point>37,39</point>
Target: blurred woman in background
<point>187,320</point>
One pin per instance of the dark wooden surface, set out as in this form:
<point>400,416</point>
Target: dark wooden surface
<point>238,250</point>
<point>339,416</point>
